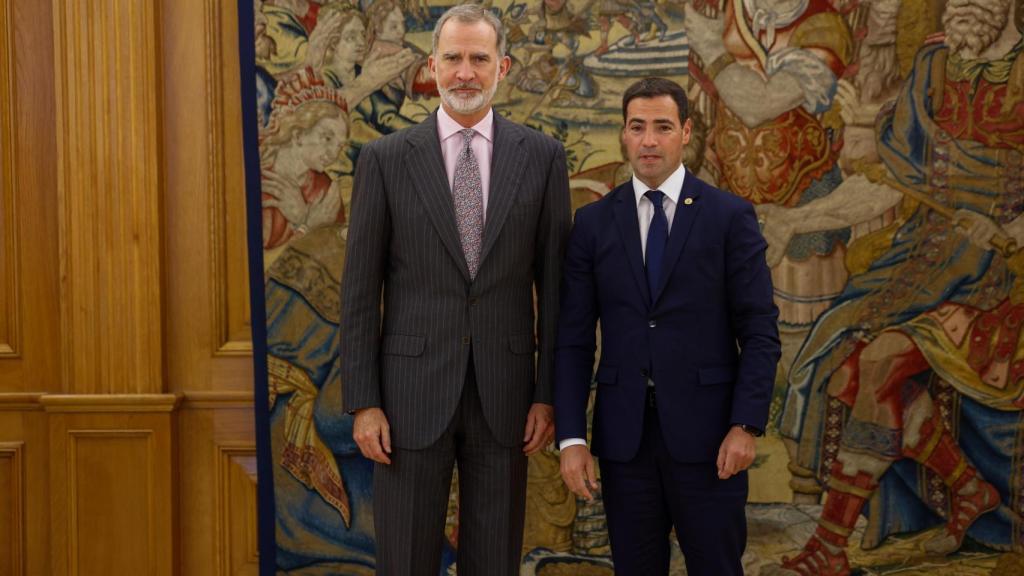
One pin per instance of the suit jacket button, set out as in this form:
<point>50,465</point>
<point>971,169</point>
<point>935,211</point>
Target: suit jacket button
<point>472,301</point>
<point>465,339</point>
<point>652,323</point>
<point>644,372</point>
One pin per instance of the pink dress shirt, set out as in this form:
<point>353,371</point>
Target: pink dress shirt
<point>448,131</point>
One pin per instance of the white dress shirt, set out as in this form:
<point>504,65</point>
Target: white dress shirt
<point>672,187</point>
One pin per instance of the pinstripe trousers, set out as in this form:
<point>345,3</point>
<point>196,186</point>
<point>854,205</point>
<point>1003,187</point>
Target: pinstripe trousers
<point>411,498</point>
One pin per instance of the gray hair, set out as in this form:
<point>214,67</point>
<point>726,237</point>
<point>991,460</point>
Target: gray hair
<point>470,14</point>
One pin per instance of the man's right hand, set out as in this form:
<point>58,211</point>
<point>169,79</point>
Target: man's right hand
<point>578,471</point>
<point>373,435</point>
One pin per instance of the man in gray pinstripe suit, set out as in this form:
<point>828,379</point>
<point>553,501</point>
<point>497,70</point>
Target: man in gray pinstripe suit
<point>454,224</point>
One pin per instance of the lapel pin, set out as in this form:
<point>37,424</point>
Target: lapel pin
<point>688,201</point>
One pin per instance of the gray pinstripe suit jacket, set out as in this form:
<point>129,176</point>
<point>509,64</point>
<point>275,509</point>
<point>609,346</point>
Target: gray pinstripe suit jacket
<point>410,355</point>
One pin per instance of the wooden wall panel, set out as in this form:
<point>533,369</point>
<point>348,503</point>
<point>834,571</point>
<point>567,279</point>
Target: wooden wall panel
<point>206,259</point>
<point>226,183</point>
<point>218,506</point>
<point>112,485</point>
<point>236,510</point>
<point>12,506</point>
<point>29,321</point>
<point>207,285</point>
<point>123,276</point>
<point>110,517</point>
<point>24,488</point>
<point>109,184</point>
<point>10,309</point>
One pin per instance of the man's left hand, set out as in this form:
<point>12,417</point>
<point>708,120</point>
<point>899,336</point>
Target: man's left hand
<point>736,453</point>
<point>540,427</point>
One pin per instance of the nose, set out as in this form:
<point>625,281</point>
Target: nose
<point>648,139</point>
<point>464,72</point>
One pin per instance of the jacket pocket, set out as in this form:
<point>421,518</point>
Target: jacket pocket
<point>402,345</point>
<point>712,375</point>
<point>606,374</point>
<point>522,344</point>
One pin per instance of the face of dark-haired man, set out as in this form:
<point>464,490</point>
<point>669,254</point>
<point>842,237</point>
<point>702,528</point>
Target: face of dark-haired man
<point>654,138</point>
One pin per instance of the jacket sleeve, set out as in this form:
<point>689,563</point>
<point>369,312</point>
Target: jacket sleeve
<point>754,319</point>
<point>577,339</point>
<point>552,233</point>
<point>365,262</point>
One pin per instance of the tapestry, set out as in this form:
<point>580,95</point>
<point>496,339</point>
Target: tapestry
<point>882,145</point>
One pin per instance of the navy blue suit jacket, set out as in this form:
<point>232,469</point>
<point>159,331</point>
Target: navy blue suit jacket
<point>709,338</point>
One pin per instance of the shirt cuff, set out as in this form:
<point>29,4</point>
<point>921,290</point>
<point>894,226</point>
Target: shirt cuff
<point>571,442</point>
<point>752,430</point>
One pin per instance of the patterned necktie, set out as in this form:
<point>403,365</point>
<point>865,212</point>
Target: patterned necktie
<point>657,238</point>
<point>468,196</point>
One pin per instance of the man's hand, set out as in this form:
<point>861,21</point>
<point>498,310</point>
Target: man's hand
<point>704,34</point>
<point>578,471</point>
<point>1015,229</point>
<point>323,36</point>
<point>736,453</point>
<point>324,209</point>
<point>978,228</point>
<point>540,427</point>
<point>778,229</point>
<point>285,195</point>
<point>373,435</point>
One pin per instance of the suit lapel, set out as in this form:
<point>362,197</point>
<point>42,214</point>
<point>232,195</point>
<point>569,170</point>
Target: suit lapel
<point>507,162</point>
<point>682,222</point>
<point>629,229</point>
<point>425,165</point>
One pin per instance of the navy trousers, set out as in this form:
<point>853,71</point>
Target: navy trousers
<point>649,495</point>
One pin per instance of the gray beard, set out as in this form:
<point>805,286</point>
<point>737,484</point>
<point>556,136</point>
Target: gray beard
<point>985,20</point>
<point>879,71</point>
<point>468,105</point>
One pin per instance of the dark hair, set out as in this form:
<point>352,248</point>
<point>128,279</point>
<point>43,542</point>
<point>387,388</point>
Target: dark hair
<point>652,88</point>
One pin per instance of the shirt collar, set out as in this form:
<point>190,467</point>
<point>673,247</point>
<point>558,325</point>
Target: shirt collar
<point>672,186</point>
<point>448,127</point>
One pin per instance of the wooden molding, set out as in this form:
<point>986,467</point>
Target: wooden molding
<point>236,525</point>
<point>110,402</point>
<point>226,188</point>
<point>10,318</point>
<point>33,401</point>
<point>12,510</point>
<point>199,399</point>
<point>20,401</point>
<point>109,182</point>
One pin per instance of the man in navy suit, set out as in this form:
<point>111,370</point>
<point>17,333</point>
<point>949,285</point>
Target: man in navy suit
<point>675,271</point>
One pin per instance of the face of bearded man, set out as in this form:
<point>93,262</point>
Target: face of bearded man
<point>971,26</point>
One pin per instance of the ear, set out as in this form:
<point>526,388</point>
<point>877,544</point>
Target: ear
<point>432,66</point>
<point>503,68</point>
<point>687,131</point>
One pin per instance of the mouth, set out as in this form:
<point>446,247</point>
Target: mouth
<point>465,90</point>
<point>649,157</point>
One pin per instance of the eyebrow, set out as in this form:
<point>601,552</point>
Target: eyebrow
<point>635,120</point>
<point>457,54</point>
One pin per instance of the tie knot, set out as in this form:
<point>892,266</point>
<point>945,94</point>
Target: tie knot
<point>656,197</point>
<point>467,136</point>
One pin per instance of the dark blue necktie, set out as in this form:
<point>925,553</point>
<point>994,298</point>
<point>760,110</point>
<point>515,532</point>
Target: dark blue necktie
<point>657,238</point>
